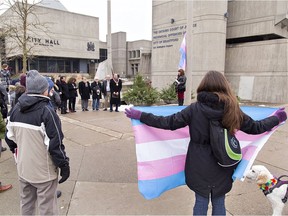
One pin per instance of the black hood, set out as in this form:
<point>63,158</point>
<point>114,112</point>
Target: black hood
<point>30,103</point>
<point>210,105</point>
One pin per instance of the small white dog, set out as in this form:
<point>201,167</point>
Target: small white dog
<point>274,189</point>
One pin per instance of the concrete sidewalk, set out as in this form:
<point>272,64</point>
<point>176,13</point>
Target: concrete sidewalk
<point>103,177</point>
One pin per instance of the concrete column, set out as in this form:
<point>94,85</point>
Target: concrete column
<point>208,40</point>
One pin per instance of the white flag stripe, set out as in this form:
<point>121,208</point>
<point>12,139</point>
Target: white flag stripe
<point>158,150</point>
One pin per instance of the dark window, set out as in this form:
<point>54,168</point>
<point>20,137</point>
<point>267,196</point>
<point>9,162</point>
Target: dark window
<point>253,38</point>
<point>67,66</point>
<point>52,66</point>
<point>60,64</point>
<point>76,67</point>
<point>43,65</point>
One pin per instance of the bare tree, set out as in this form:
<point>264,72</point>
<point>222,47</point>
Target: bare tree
<point>18,23</point>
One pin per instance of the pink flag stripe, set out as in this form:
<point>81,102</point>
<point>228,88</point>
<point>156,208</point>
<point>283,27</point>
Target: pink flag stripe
<point>161,168</point>
<point>248,151</point>
<point>248,137</point>
<point>150,134</point>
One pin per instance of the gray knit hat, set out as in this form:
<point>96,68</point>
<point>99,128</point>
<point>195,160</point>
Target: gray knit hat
<point>36,83</point>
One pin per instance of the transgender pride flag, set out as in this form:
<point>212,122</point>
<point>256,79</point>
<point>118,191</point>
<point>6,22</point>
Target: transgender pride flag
<point>182,62</point>
<point>161,153</point>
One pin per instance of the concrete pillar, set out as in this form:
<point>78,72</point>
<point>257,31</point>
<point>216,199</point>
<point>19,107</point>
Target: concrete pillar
<point>206,48</point>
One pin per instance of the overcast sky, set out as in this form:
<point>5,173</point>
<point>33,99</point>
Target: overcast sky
<point>131,16</point>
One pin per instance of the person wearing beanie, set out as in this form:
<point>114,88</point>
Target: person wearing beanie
<point>35,136</point>
<point>36,83</point>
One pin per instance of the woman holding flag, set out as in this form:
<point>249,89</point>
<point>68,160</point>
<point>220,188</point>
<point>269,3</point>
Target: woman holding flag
<point>215,101</point>
<point>180,86</point>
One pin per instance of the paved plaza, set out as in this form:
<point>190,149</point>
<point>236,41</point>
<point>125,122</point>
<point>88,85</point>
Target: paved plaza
<point>103,177</point>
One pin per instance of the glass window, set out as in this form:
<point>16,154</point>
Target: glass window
<point>132,69</point>
<point>67,66</point>
<point>60,64</point>
<point>76,67</point>
<point>52,66</point>
<point>34,64</point>
<point>43,65</point>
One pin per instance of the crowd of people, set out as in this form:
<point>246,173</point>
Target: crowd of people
<point>109,90</point>
<point>32,129</point>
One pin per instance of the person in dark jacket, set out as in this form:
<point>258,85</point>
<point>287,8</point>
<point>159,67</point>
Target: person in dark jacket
<point>96,93</point>
<point>84,91</point>
<point>115,87</point>
<point>72,87</point>
<point>64,94</point>
<point>35,136</point>
<point>180,86</point>
<point>215,101</point>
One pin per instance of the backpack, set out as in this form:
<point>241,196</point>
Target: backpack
<point>225,146</point>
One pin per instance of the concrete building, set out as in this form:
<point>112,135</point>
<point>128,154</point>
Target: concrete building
<point>246,40</point>
<point>70,43</point>
<point>62,42</point>
<point>130,57</point>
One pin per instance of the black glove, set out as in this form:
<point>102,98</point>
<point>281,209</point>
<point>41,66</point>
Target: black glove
<point>64,173</point>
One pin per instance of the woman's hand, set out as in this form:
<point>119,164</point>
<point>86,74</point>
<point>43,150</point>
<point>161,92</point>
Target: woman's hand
<point>133,113</point>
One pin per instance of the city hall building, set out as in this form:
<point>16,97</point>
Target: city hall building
<point>66,42</point>
<point>62,42</point>
<point>246,40</point>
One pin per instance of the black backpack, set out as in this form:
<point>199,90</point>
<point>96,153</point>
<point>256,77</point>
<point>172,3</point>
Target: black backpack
<point>225,146</point>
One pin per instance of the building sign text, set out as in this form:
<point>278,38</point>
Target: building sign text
<point>43,42</point>
<point>167,37</point>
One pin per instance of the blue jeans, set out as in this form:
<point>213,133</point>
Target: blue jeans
<point>201,205</point>
<point>95,104</point>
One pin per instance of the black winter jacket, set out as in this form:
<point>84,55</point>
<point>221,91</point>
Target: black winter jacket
<point>203,175</point>
<point>181,86</point>
<point>32,112</point>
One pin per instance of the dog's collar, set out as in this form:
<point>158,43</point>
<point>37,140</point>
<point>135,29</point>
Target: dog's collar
<point>268,185</point>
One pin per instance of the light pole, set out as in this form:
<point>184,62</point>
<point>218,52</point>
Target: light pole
<point>109,43</point>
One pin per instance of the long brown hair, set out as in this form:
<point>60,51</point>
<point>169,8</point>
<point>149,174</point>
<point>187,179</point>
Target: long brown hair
<point>181,71</point>
<point>216,82</point>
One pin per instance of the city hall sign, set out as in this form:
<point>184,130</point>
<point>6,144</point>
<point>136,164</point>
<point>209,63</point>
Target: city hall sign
<point>43,42</point>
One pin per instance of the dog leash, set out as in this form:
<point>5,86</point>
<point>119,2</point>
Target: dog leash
<point>284,200</point>
<point>278,184</point>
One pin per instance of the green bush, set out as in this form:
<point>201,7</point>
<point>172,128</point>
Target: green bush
<point>168,95</point>
<point>141,93</point>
